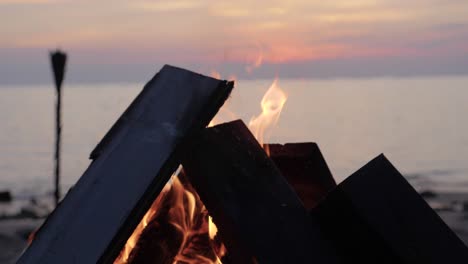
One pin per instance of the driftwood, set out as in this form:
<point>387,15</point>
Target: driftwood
<point>375,216</point>
<point>260,218</point>
<point>130,167</point>
<point>305,169</point>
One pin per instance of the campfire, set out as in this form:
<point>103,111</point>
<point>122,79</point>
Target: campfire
<point>176,229</point>
<point>168,184</point>
<point>179,208</point>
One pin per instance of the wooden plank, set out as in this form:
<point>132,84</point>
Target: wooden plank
<point>259,217</point>
<point>130,167</point>
<point>375,216</point>
<point>305,169</point>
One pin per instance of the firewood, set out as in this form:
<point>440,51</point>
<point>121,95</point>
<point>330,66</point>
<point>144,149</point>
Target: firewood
<point>130,167</point>
<point>375,216</point>
<point>161,241</point>
<point>305,169</point>
<point>303,166</point>
<point>259,217</point>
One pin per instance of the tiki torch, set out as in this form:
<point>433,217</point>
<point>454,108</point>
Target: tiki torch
<point>58,59</point>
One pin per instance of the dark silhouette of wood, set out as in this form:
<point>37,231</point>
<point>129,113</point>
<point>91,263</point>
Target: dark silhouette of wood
<point>130,167</point>
<point>58,60</point>
<point>259,217</point>
<point>375,216</point>
<point>303,166</point>
<point>305,169</point>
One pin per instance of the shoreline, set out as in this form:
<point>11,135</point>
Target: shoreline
<point>15,229</point>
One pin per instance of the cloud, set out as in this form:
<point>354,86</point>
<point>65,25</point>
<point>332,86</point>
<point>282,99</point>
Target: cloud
<point>163,6</point>
<point>27,2</point>
<point>218,31</point>
<point>229,10</point>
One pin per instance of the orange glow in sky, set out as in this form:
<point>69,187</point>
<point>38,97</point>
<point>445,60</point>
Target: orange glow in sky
<point>215,32</point>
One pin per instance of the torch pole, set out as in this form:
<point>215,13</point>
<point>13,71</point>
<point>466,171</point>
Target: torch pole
<point>58,59</point>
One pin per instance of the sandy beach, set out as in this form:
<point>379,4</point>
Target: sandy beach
<point>14,236</point>
<point>451,207</point>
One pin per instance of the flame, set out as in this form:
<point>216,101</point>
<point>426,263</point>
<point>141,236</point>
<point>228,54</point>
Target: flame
<point>215,74</point>
<point>190,227</point>
<point>257,62</point>
<point>233,78</point>
<point>272,103</point>
<point>212,229</point>
<point>32,236</point>
<point>212,123</point>
<point>189,223</point>
<point>133,239</point>
<point>223,115</point>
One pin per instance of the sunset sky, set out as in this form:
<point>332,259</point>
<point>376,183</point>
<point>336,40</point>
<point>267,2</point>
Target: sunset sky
<point>129,40</point>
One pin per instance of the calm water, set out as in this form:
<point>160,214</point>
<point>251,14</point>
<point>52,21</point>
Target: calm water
<point>419,123</point>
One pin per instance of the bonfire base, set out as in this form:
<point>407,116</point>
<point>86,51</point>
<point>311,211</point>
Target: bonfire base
<point>305,169</point>
<point>259,216</point>
<point>375,216</point>
<point>130,167</point>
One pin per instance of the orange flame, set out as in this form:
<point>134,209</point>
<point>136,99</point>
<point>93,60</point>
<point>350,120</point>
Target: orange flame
<point>232,77</point>
<point>224,115</point>
<point>186,208</point>
<point>212,229</point>
<point>272,103</point>
<point>215,74</point>
<point>189,219</point>
<point>257,62</point>
<point>133,239</point>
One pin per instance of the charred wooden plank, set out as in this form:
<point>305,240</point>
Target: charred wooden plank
<point>259,217</point>
<point>305,169</point>
<point>130,167</point>
<point>375,216</point>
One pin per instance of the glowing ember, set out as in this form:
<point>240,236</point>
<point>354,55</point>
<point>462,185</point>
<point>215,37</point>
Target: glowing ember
<point>272,104</point>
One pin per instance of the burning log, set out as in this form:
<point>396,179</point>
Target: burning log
<point>375,216</point>
<point>159,242</point>
<point>305,169</point>
<point>260,218</point>
<point>177,229</point>
<point>130,167</point>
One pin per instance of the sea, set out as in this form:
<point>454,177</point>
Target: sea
<point>419,123</point>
